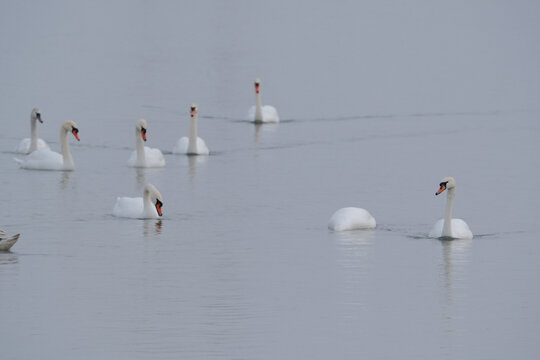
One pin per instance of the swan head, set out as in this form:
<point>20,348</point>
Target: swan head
<point>257,85</point>
<point>141,128</point>
<point>193,110</point>
<point>155,197</point>
<point>36,115</point>
<point>71,126</point>
<point>446,183</point>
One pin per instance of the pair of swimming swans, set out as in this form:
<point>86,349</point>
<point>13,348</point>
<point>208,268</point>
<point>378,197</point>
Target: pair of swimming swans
<point>351,218</point>
<point>43,158</point>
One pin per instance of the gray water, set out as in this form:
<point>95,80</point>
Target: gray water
<point>379,101</point>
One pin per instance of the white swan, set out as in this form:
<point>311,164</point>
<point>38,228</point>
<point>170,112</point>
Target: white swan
<point>193,145</point>
<point>143,156</point>
<point>6,241</point>
<point>259,113</point>
<point>46,159</point>
<point>351,218</point>
<point>32,143</point>
<point>147,207</point>
<point>448,227</point>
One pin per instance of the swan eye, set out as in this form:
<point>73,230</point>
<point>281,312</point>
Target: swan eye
<point>75,130</point>
<point>159,203</point>
<point>143,130</point>
<point>443,183</point>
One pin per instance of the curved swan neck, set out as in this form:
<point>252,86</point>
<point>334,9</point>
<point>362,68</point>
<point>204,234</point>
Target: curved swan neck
<point>147,202</point>
<point>447,227</point>
<point>33,134</point>
<point>66,154</point>
<point>192,146</point>
<point>258,107</point>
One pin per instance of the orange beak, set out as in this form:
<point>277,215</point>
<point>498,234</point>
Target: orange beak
<point>193,112</point>
<point>143,134</point>
<point>257,88</point>
<point>158,208</point>
<point>76,134</point>
<point>441,189</point>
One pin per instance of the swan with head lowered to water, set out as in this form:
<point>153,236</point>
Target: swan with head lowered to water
<point>448,227</point>
<point>351,218</point>
<point>147,207</point>
<point>259,113</point>
<point>193,145</point>
<point>32,143</point>
<point>144,156</point>
<point>46,159</point>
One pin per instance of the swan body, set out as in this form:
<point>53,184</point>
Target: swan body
<point>46,159</point>
<point>32,143</point>
<point>449,227</point>
<point>146,207</point>
<point>260,113</point>
<point>192,145</point>
<point>6,241</point>
<point>144,156</point>
<point>351,218</point>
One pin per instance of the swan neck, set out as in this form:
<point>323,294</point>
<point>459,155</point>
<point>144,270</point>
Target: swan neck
<point>192,146</point>
<point>258,107</point>
<point>139,146</point>
<point>66,153</point>
<point>447,228</point>
<point>147,203</point>
<point>33,135</point>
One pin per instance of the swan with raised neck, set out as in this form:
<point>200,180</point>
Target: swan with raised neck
<point>193,144</point>
<point>144,156</point>
<point>260,113</point>
<point>33,143</point>
<point>451,228</point>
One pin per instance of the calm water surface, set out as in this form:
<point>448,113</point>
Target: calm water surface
<point>375,112</point>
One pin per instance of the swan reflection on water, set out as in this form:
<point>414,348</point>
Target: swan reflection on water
<point>64,179</point>
<point>141,178</point>
<point>152,228</point>
<point>353,246</point>
<point>267,127</point>
<point>8,258</point>
<point>194,161</point>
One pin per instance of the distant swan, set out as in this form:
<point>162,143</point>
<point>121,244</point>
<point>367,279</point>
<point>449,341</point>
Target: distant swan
<point>32,143</point>
<point>147,207</point>
<point>143,156</point>
<point>260,113</point>
<point>448,227</point>
<point>46,159</point>
<point>351,218</point>
<point>193,145</point>
<point>6,241</point>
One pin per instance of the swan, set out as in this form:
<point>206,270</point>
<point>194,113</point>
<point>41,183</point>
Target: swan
<point>46,159</point>
<point>147,207</point>
<point>448,227</point>
<point>144,156</point>
<point>259,113</point>
<point>32,143</point>
<point>193,145</point>
<point>351,218</point>
<point>6,241</point>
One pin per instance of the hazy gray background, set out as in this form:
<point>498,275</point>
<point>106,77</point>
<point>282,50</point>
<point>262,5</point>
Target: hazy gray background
<point>379,101</point>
